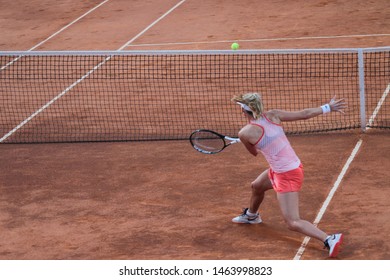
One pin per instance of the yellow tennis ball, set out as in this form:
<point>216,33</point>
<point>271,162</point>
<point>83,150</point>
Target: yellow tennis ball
<point>235,46</point>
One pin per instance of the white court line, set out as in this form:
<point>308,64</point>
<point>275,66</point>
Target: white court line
<point>150,26</point>
<point>67,26</point>
<point>261,40</point>
<point>329,198</point>
<point>84,77</point>
<point>379,105</point>
<point>341,175</point>
<point>55,34</point>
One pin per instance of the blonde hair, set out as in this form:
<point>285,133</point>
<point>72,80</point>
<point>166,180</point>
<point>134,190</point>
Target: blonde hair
<point>253,101</point>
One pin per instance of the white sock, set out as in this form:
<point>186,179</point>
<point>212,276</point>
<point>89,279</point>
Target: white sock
<point>249,213</point>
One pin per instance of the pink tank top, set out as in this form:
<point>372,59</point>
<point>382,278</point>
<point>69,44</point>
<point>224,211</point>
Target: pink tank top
<point>275,146</point>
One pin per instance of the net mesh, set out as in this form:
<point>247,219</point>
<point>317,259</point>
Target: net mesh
<point>136,96</point>
<point>377,86</point>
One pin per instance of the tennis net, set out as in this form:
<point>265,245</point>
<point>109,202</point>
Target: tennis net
<point>164,95</point>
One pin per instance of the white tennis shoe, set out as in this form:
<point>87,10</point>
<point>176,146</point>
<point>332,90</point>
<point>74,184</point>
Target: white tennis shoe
<point>333,243</point>
<point>246,218</point>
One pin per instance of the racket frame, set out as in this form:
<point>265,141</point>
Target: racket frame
<point>227,141</point>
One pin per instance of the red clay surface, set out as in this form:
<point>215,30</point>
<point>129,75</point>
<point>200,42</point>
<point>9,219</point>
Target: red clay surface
<point>163,200</point>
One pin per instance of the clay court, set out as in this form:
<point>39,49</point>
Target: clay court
<point>162,200</point>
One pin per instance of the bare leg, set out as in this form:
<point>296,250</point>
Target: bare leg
<point>259,187</point>
<point>289,204</point>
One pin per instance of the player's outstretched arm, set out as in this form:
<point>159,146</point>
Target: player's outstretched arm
<point>334,105</point>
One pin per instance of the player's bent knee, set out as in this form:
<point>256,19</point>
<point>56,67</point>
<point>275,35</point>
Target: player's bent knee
<point>257,187</point>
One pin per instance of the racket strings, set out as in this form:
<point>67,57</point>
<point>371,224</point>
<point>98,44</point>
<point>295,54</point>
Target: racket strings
<point>207,141</point>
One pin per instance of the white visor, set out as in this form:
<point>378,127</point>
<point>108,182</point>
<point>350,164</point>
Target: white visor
<point>245,107</point>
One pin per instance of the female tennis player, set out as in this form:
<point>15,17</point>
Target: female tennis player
<point>264,133</point>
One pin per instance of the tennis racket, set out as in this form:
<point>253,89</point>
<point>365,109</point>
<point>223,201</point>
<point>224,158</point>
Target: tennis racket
<point>210,142</point>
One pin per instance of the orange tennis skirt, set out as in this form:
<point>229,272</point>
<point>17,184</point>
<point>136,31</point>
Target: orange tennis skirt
<point>290,181</point>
